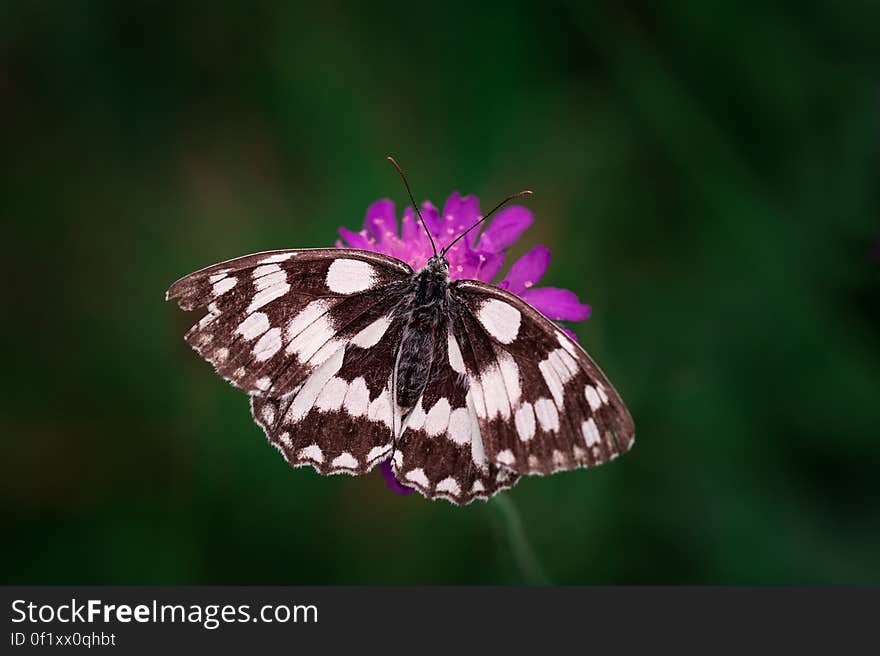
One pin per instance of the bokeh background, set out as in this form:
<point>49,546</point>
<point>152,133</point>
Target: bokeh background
<point>706,175</point>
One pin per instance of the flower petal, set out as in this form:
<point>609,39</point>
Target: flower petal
<point>355,239</point>
<point>471,265</point>
<point>391,481</point>
<point>381,221</point>
<point>409,227</point>
<point>527,270</point>
<point>507,226</point>
<point>412,232</point>
<point>459,214</point>
<point>432,218</point>
<point>557,304</point>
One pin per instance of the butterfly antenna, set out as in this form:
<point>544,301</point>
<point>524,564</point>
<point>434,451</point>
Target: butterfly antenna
<point>524,192</point>
<point>409,191</point>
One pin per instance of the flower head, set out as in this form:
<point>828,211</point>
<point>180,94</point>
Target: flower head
<point>478,256</point>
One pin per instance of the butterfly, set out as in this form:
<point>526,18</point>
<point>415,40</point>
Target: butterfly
<point>352,357</point>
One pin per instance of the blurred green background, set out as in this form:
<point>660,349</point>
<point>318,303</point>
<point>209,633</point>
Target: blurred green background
<point>706,175</point>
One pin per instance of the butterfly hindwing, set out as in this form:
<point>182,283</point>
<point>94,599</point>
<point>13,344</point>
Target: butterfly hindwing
<point>542,403</point>
<point>340,419</point>
<point>275,317</point>
<point>440,451</point>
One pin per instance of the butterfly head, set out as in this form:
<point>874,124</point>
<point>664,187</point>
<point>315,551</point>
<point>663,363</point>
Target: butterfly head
<point>438,260</point>
<point>438,265</point>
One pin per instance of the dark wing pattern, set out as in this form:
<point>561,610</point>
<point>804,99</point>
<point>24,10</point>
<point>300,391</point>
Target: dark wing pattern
<point>274,318</point>
<point>340,420</point>
<point>543,405</point>
<point>440,451</point>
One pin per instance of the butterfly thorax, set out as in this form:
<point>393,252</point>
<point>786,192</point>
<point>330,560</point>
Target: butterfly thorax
<point>424,310</point>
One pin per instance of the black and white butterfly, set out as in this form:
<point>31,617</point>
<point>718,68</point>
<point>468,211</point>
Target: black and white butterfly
<point>351,358</point>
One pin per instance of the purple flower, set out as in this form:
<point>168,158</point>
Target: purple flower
<point>391,481</point>
<point>479,256</point>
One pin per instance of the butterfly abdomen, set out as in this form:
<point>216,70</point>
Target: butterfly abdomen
<point>424,316</point>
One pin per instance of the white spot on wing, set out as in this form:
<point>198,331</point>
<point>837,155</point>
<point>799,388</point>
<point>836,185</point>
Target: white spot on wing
<point>417,476</point>
<point>268,345</point>
<point>307,396</point>
<point>268,294</point>
<point>557,369</point>
<point>478,487</point>
<point>277,257</point>
<point>495,393</point>
<point>331,397</point>
<point>357,398</point>
<point>551,378</point>
<point>525,422</point>
<point>217,277</point>
<point>253,326</point>
<point>371,335</point>
<point>345,461</point>
<point>459,429</point>
<point>265,270</point>
<point>380,409</point>
<point>416,418</point>
<point>325,352</point>
<point>500,319</point>
<point>478,452</point>
<point>224,285</point>
<point>591,433</point>
<point>450,486</point>
<point>566,343</point>
<point>547,416</point>
<point>271,280</point>
<point>312,452</point>
<point>510,376</point>
<point>455,359</point>
<point>593,397</point>
<point>268,413</point>
<point>564,364</point>
<point>310,340</point>
<point>475,397</point>
<point>559,459</point>
<point>506,457</point>
<point>347,276</point>
<point>438,418</point>
<point>263,383</point>
<point>305,317</point>
<point>378,453</point>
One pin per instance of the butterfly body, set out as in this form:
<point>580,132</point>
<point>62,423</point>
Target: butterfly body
<point>351,358</point>
<point>424,310</point>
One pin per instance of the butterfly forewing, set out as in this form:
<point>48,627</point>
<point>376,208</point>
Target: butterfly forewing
<point>542,403</point>
<point>273,318</point>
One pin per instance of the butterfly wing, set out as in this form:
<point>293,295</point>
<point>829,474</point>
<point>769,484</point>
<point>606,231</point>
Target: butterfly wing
<point>274,318</point>
<point>340,419</point>
<point>439,451</point>
<point>542,403</point>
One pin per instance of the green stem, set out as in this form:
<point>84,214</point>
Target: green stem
<point>523,554</point>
